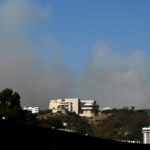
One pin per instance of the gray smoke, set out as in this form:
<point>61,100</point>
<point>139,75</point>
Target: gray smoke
<point>20,67</point>
<point>110,78</point>
<point>117,80</point>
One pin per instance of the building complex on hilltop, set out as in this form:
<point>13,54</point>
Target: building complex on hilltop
<point>84,108</point>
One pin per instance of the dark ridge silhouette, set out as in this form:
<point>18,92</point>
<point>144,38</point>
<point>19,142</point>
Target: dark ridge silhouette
<point>22,136</point>
<point>146,110</point>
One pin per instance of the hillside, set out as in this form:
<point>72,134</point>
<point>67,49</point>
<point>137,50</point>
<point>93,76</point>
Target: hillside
<point>23,136</point>
<point>116,124</point>
<point>98,119</point>
<point>147,111</point>
<point>123,125</point>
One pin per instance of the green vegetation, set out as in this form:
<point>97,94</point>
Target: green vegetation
<point>117,124</point>
<point>11,110</point>
<point>123,125</point>
<point>74,122</point>
<point>50,122</point>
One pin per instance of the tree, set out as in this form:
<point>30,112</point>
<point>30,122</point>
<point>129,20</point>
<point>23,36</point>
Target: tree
<point>50,122</point>
<point>11,109</point>
<point>9,103</point>
<point>9,98</point>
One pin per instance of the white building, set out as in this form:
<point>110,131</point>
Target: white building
<point>34,110</point>
<point>106,108</point>
<point>146,135</point>
<point>87,108</point>
<point>68,104</point>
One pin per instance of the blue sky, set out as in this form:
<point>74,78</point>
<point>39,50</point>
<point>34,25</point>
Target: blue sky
<point>76,25</point>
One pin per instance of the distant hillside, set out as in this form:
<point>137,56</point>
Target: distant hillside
<point>123,124</point>
<point>96,120</point>
<point>116,124</point>
<point>147,111</point>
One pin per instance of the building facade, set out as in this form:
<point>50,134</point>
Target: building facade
<point>88,108</point>
<point>84,108</point>
<point>146,135</point>
<point>34,110</point>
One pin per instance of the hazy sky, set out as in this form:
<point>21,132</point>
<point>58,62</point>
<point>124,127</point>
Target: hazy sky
<point>91,49</point>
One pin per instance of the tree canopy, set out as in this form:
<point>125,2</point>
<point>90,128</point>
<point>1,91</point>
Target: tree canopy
<point>9,98</point>
<point>9,103</point>
<point>10,107</point>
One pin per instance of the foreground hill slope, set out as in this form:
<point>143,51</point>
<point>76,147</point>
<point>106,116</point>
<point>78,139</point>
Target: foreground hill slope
<point>22,136</point>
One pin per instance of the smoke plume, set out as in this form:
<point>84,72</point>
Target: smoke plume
<point>117,80</point>
<point>36,80</point>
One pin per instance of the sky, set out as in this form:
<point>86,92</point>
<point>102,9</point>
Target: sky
<point>91,49</point>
